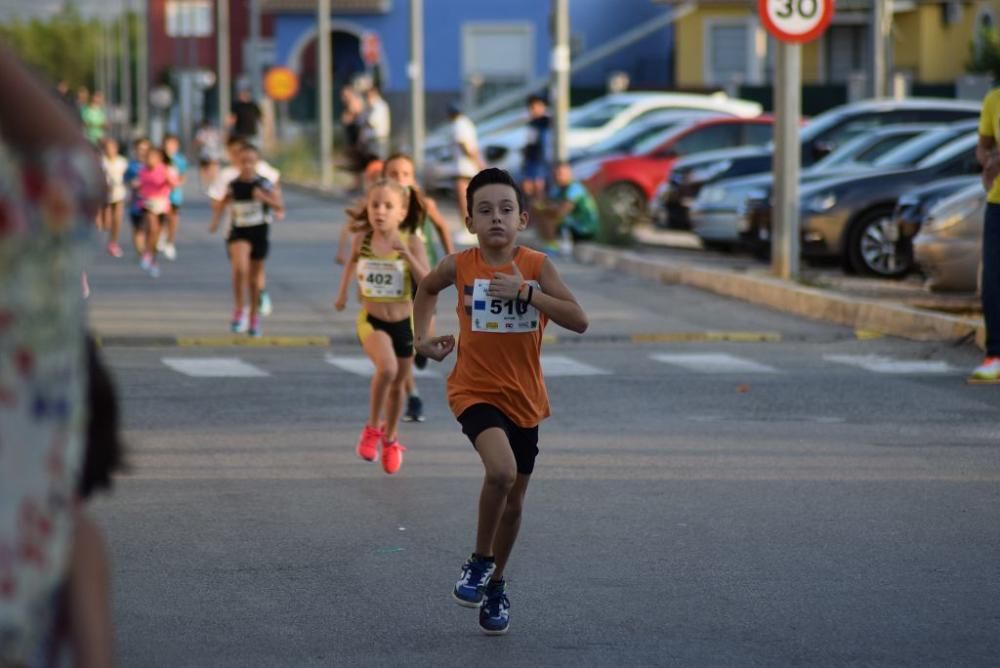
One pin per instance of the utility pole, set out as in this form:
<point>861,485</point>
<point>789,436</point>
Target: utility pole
<point>142,69</point>
<point>223,74</point>
<point>416,72</point>
<point>125,64</point>
<point>325,71</point>
<point>881,34</point>
<point>254,65</point>
<point>560,70</point>
<point>787,158</point>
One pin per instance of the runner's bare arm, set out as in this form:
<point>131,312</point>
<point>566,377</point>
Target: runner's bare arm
<point>416,255</point>
<point>434,213</point>
<point>218,208</point>
<point>989,158</point>
<point>556,301</point>
<point>424,306</point>
<point>348,275</point>
<point>272,198</point>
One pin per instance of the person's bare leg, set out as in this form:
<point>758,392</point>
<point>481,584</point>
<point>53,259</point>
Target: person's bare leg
<point>378,347</point>
<point>152,233</point>
<point>397,397</point>
<point>510,524</point>
<point>253,286</point>
<point>173,220</point>
<point>461,187</point>
<point>117,209</point>
<point>239,260</point>
<point>501,474</point>
<point>89,597</point>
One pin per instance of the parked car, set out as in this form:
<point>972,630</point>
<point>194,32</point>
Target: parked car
<point>948,247</point>
<point>587,160</point>
<point>913,206</point>
<point>628,182</point>
<point>599,119</point>
<point>439,163</point>
<point>850,217</point>
<point>717,214</point>
<point>818,139</point>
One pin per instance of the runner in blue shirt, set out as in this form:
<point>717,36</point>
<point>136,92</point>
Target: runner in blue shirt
<point>172,146</point>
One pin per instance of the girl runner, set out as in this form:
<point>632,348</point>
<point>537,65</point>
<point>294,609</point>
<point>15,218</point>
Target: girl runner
<point>252,201</point>
<point>506,296</point>
<point>115,166</point>
<point>156,180</point>
<point>399,168</point>
<point>386,258</point>
<point>172,149</point>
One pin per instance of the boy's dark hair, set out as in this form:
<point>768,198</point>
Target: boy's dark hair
<point>233,140</point>
<point>103,449</point>
<point>170,135</point>
<point>535,97</point>
<point>494,176</point>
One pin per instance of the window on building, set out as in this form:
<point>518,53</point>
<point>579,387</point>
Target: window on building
<point>846,51</point>
<point>496,57</point>
<point>728,44</point>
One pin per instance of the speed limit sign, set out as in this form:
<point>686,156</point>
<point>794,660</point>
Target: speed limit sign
<point>795,21</point>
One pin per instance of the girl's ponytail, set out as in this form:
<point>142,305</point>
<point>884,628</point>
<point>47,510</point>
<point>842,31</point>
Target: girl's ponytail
<point>414,212</point>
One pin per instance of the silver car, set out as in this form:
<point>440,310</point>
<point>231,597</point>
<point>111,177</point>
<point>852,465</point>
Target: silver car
<point>949,245</point>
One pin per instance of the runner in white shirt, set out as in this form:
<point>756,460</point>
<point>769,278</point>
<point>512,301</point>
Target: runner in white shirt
<point>220,187</point>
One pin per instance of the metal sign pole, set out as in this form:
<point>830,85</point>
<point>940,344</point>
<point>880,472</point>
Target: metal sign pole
<point>224,74</point>
<point>560,67</point>
<point>416,72</point>
<point>787,158</point>
<point>325,110</point>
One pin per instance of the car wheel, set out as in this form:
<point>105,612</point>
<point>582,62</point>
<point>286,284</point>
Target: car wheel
<point>874,247</point>
<point>626,200</point>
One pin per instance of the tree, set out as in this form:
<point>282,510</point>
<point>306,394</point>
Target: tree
<point>984,53</point>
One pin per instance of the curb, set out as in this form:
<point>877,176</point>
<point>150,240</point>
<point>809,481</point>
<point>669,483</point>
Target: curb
<point>238,341</point>
<point>864,315</point>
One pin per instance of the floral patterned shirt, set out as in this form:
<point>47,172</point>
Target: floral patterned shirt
<point>47,204</point>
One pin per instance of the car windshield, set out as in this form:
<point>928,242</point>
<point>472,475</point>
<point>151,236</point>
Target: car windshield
<point>653,140</point>
<point>948,151</point>
<point>628,140</point>
<point>599,116</point>
<point>846,153</point>
<point>915,150</point>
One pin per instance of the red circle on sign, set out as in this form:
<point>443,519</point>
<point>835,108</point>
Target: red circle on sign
<point>826,6</point>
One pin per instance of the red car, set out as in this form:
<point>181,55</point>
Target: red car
<point>627,182</point>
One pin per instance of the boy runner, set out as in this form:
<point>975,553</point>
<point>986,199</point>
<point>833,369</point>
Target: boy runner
<point>506,295</point>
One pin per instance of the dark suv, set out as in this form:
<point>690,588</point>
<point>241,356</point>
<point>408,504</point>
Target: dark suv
<point>818,138</point>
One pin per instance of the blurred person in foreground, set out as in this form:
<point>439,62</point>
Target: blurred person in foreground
<point>989,157</point>
<point>53,591</point>
<point>568,210</point>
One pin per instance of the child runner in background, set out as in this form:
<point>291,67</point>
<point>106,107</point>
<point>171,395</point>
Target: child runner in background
<point>217,193</point>
<point>172,149</point>
<point>115,165</point>
<point>356,213</point>
<point>568,210</point>
<point>386,258</point>
<point>208,146</point>
<point>252,201</point>
<point>506,295</point>
<point>156,180</point>
<point>136,212</point>
<point>399,168</point>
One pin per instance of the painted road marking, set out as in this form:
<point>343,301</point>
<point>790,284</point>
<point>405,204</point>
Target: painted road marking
<point>214,367</point>
<point>362,366</point>
<point>880,364</point>
<point>560,365</point>
<point>713,363</point>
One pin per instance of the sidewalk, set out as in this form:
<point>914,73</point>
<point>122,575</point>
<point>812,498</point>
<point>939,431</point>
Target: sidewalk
<point>872,307</point>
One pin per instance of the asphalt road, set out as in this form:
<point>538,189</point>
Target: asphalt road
<point>813,499</point>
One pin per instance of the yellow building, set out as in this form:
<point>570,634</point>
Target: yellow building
<point>722,42</point>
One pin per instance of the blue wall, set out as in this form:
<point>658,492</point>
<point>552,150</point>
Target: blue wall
<point>597,21</point>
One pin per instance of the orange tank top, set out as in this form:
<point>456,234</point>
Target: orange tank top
<point>499,343</point>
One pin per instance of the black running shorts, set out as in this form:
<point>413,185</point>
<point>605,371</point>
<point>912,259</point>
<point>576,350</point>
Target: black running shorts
<point>523,440</point>
<point>256,235</point>
<point>400,332</point>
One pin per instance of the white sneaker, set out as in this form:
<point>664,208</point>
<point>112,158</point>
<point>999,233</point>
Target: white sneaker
<point>161,244</point>
<point>987,372</point>
<point>170,252</point>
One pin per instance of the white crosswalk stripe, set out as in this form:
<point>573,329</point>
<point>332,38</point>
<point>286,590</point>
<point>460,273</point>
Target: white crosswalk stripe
<point>561,365</point>
<point>713,363</point>
<point>880,364</point>
<point>213,367</point>
<point>360,365</point>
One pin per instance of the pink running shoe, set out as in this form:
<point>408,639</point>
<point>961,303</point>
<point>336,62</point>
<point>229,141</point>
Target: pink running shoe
<point>114,250</point>
<point>392,456</point>
<point>368,443</point>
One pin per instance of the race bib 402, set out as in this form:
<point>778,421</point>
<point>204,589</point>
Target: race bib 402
<point>381,279</point>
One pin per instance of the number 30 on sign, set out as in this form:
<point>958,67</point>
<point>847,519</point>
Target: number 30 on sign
<point>795,20</point>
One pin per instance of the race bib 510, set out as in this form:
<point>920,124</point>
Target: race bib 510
<point>501,316</point>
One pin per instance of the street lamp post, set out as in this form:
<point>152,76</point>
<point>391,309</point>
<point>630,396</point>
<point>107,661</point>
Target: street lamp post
<point>416,72</point>
<point>325,71</point>
<point>224,74</point>
<point>560,68</point>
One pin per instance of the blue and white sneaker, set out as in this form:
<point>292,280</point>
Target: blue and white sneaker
<point>264,306</point>
<point>494,613</point>
<point>469,589</point>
